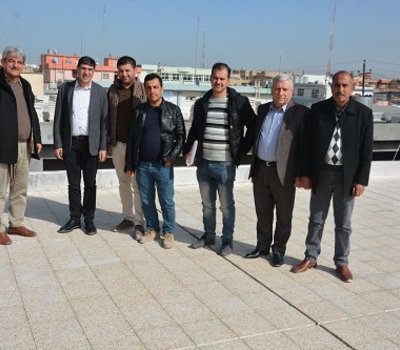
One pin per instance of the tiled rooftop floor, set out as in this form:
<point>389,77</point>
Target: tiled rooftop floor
<point>72,291</point>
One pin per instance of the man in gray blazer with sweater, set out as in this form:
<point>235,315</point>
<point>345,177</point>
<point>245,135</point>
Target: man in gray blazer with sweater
<point>275,169</point>
<point>80,140</point>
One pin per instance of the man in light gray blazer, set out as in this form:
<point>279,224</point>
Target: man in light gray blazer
<point>80,140</point>
<point>275,168</point>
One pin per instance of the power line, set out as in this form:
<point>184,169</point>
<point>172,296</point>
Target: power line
<point>393,64</point>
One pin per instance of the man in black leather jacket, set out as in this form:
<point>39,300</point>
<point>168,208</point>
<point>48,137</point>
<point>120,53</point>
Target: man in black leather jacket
<point>223,126</point>
<point>155,139</point>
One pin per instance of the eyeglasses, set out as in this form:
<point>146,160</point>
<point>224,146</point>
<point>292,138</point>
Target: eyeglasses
<point>13,62</point>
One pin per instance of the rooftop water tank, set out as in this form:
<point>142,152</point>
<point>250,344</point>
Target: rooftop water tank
<point>365,100</point>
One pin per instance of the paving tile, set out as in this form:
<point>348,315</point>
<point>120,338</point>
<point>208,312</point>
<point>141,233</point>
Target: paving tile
<point>100,305</point>
<point>286,317</point>
<point>380,344</point>
<point>151,317</point>
<point>323,311</point>
<point>385,300</point>
<point>262,302</point>
<point>236,344</point>
<point>205,332</point>
<point>68,258</point>
<point>165,338</point>
<point>17,338</point>
<point>197,276</point>
<point>84,289</point>
<point>44,296</point>
<point>109,331</point>
<point>271,341</point>
<point>99,258</point>
<point>13,317</point>
<point>51,313</point>
<point>188,312</point>
<point>247,323</point>
<point>314,338</point>
<point>354,305</point>
<point>65,334</point>
<point>384,324</point>
<point>10,299</point>
<point>112,271</point>
<point>82,274</point>
<point>36,278</point>
<point>353,332</point>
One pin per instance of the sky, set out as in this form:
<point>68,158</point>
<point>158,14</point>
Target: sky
<point>290,35</point>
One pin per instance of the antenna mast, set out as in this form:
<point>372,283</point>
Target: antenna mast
<point>328,68</point>
<point>197,45</point>
<point>102,45</point>
<point>203,52</point>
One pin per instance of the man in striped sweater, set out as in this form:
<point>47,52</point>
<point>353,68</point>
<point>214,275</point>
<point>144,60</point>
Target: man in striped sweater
<point>223,125</point>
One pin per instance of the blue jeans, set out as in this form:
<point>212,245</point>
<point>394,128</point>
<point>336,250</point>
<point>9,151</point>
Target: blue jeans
<point>218,177</point>
<point>150,176</point>
<point>330,185</point>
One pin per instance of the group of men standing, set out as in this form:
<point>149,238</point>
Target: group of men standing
<point>327,149</point>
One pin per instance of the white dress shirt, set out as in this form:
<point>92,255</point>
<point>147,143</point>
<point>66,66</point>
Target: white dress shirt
<point>80,110</point>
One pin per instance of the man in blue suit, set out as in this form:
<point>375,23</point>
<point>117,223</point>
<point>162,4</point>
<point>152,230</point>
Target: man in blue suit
<point>80,139</point>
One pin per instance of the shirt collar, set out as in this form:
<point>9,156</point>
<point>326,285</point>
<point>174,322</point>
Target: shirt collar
<point>272,108</point>
<point>9,82</point>
<point>78,87</point>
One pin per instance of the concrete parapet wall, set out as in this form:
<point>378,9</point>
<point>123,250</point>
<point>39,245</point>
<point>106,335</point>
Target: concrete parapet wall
<point>107,178</point>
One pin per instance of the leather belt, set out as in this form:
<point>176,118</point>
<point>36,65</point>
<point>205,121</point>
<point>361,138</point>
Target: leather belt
<point>80,137</point>
<point>266,162</point>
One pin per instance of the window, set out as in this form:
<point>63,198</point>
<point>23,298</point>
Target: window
<point>106,76</point>
<point>315,93</point>
<point>300,92</point>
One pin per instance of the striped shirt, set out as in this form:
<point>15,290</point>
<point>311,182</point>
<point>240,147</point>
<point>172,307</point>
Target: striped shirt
<point>216,135</point>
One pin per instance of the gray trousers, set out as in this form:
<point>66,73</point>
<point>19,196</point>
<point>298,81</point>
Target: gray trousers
<point>330,186</point>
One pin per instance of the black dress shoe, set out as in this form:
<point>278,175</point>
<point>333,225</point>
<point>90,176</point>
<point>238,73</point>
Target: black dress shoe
<point>278,259</point>
<point>256,253</point>
<point>71,225</point>
<point>90,228</point>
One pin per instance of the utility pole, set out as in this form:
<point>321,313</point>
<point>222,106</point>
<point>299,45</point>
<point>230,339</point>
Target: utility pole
<point>363,78</point>
<point>363,75</point>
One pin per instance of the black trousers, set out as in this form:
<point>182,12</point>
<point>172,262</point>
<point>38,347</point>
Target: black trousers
<point>78,161</point>
<point>269,194</point>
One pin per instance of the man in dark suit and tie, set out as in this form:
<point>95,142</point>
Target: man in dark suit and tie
<point>275,168</point>
<point>80,139</point>
<point>337,160</point>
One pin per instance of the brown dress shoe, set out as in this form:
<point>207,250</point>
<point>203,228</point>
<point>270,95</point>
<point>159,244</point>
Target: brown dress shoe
<point>4,239</point>
<point>304,266</point>
<point>22,231</point>
<point>345,273</point>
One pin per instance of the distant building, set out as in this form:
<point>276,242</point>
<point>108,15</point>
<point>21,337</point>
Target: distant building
<point>58,68</point>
